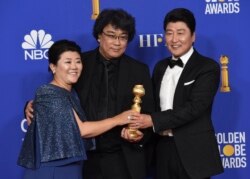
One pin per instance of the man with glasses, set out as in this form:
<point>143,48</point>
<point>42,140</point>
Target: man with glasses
<point>105,89</point>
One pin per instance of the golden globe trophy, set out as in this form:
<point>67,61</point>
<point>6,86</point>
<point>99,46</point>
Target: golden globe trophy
<point>138,91</point>
<point>95,9</point>
<point>224,74</point>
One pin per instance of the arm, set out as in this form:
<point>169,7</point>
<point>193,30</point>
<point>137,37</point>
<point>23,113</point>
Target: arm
<point>198,102</point>
<point>95,128</point>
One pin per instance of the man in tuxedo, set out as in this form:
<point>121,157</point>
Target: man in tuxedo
<point>185,86</point>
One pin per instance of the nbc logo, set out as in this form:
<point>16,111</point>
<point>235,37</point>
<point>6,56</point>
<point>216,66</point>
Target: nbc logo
<point>24,126</point>
<point>36,45</point>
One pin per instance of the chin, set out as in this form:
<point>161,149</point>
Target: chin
<point>73,81</point>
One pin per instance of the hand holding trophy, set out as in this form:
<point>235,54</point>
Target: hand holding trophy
<point>138,91</point>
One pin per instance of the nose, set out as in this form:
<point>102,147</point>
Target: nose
<point>73,65</point>
<point>117,40</point>
<point>174,38</point>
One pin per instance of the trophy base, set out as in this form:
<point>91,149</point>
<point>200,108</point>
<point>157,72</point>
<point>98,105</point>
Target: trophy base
<point>225,89</point>
<point>133,133</point>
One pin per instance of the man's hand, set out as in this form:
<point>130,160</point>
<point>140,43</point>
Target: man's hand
<point>144,121</point>
<point>125,135</point>
<point>29,112</point>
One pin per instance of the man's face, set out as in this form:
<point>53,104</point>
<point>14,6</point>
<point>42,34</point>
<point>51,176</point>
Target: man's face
<point>113,42</point>
<point>178,38</point>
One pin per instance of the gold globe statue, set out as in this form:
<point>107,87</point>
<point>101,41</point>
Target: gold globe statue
<point>138,91</point>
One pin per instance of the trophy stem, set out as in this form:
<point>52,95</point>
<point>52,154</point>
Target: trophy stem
<point>138,91</point>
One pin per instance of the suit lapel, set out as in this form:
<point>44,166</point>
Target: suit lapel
<point>191,64</point>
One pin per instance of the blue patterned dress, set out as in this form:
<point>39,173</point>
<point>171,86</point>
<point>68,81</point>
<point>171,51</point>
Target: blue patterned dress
<point>53,147</point>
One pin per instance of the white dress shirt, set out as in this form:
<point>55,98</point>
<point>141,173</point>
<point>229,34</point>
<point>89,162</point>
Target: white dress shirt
<point>168,85</point>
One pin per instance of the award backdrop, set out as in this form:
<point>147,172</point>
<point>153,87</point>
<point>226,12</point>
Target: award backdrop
<point>28,28</point>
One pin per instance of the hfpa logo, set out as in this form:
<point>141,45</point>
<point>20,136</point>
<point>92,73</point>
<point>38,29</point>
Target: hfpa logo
<point>36,45</point>
<point>151,40</point>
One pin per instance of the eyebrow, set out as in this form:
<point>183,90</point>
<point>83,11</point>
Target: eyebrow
<point>113,32</point>
<point>176,30</point>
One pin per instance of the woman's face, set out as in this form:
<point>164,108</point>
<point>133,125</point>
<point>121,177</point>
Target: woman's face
<point>68,69</point>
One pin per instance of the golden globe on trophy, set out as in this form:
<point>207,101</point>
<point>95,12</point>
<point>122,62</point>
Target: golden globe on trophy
<point>138,91</point>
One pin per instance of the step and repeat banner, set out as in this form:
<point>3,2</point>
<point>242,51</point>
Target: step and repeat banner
<point>28,28</point>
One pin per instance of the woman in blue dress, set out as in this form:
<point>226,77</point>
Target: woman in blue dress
<point>53,147</point>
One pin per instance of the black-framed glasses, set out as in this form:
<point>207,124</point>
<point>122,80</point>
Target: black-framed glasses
<point>123,38</point>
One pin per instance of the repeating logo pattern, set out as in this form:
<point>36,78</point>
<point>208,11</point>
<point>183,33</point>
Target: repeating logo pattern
<point>36,45</point>
<point>222,7</point>
<point>232,147</point>
<point>151,40</point>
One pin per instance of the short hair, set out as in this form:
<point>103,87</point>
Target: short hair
<point>180,15</point>
<point>59,47</point>
<point>118,18</point>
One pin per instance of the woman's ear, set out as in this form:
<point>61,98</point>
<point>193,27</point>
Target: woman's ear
<point>52,68</point>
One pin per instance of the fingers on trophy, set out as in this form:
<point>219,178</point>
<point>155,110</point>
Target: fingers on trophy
<point>138,92</point>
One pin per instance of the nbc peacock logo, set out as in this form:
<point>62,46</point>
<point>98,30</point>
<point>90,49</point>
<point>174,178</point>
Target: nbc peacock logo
<point>36,45</point>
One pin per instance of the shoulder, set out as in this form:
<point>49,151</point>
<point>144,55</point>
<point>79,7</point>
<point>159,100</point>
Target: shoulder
<point>206,62</point>
<point>50,91</point>
<point>161,65</point>
<point>44,89</point>
<point>89,54</point>
<point>162,62</point>
<point>134,62</point>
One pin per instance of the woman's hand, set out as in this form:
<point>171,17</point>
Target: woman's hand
<point>29,111</point>
<point>126,117</point>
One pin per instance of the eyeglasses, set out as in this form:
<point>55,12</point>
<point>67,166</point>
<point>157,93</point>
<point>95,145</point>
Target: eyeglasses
<point>122,38</point>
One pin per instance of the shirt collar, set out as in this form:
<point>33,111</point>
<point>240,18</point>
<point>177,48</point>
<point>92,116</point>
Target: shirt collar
<point>184,58</point>
<point>114,61</point>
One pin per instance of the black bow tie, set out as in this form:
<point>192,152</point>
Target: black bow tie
<point>178,62</point>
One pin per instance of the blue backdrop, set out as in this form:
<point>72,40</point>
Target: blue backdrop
<point>29,27</point>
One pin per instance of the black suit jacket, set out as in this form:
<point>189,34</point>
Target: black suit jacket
<point>131,72</point>
<point>190,118</point>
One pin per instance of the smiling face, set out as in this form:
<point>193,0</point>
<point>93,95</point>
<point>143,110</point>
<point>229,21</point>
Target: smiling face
<point>67,70</point>
<point>113,42</point>
<point>179,38</point>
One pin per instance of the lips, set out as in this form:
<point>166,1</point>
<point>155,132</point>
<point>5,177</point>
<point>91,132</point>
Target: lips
<point>175,46</point>
<point>115,50</point>
<point>74,73</point>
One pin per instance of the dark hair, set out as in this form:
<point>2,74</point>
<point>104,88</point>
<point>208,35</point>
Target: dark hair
<point>183,15</point>
<point>118,18</point>
<point>60,47</point>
